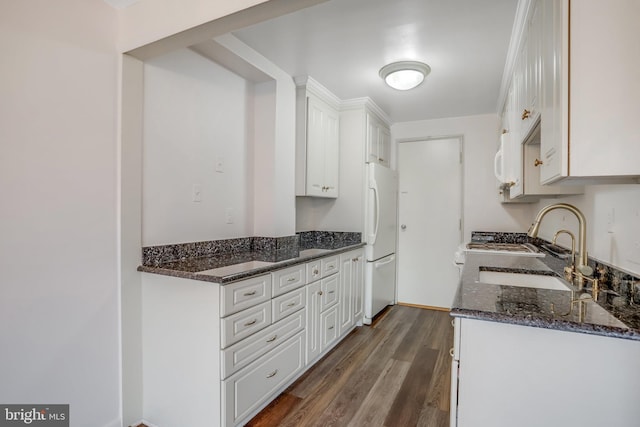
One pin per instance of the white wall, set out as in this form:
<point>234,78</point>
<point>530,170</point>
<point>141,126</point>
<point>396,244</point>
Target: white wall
<point>613,223</point>
<point>195,113</point>
<point>59,309</point>
<point>481,207</point>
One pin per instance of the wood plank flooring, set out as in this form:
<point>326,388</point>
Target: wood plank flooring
<point>395,372</point>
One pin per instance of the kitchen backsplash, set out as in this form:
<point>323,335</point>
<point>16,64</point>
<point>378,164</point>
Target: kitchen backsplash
<point>277,247</point>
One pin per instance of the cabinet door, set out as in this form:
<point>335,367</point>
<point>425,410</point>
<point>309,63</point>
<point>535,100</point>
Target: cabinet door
<point>372,139</point>
<point>328,328</point>
<point>346,292</point>
<point>245,391</point>
<point>331,152</point>
<point>534,63</point>
<point>313,321</point>
<point>357,277</point>
<point>316,110</point>
<point>553,141</point>
<point>329,288</point>
<point>322,149</point>
<point>384,146</point>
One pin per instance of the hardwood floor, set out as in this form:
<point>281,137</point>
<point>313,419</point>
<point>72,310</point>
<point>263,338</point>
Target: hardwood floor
<point>395,372</point>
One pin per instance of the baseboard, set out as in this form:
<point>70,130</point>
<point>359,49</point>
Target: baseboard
<point>425,307</point>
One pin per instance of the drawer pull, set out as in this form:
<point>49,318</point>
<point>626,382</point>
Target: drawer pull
<point>320,292</point>
<point>332,292</point>
<point>291,304</point>
<point>293,279</point>
<point>451,351</point>
<point>273,338</point>
<point>315,272</point>
<point>330,327</point>
<point>272,374</point>
<point>248,294</point>
<point>331,267</point>
<point>251,323</point>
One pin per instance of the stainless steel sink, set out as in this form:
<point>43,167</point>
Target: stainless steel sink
<point>537,281</point>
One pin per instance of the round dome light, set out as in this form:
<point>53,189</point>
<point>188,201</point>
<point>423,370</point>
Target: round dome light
<point>404,75</point>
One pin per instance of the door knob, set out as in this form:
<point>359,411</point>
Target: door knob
<point>403,226</point>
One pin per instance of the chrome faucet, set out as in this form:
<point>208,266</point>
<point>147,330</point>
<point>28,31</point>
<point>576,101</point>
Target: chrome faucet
<point>582,266</point>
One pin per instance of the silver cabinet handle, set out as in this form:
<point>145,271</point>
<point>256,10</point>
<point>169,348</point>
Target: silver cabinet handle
<point>403,226</point>
<point>320,292</point>
<point>293,279</point>
<point>273,338</point>
<point>331,267</point>
<point>451,351</point>
<point>453,322</point>
<point>251,323</point>
<point>272,374</point>
<point>332,292</point>
<point>330,327</point>
<point>315,271</point>
<point>291,304</point>
<point>248,294</point>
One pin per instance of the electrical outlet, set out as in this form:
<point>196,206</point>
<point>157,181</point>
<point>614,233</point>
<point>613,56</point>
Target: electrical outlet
<point>228,215</point>
<point>611,219</point>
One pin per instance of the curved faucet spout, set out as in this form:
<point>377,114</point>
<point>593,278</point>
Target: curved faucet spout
<point>582,266</point>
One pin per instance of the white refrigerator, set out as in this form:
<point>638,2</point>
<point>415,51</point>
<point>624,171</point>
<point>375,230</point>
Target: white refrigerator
<point>380,231</point>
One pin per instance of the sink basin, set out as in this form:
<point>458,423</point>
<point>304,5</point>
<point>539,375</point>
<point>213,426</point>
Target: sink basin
<point>537,281</point>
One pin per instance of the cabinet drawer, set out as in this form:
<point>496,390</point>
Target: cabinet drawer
<point>249,349</point>
<point>328,328</point>
<point>329,265</point>
<point>288,279</point>
<point>286,304</point>
<point>241,325</point>
<point>244,294</point>
<point>329,289</point>
<point>314,271</point>
<point>250,387</point>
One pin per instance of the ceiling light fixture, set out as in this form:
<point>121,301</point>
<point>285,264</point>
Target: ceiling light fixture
<point>404,75</point>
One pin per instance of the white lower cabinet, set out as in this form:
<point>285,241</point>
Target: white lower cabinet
<point>506,375</point>
<point>351,291</point>
<point>241,354</point>
<point>245,391</point>
<point>328,327</point>
<point>215,355</point>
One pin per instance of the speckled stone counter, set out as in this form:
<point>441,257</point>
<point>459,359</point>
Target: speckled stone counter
<point>235,259</point>
<point>543,308</point>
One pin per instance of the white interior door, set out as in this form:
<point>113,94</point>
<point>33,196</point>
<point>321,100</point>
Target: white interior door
<point>430,219</point>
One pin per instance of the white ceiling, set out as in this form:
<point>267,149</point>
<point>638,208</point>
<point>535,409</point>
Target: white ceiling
<point>344,43</point>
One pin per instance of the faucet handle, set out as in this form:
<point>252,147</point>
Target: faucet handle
<point>585,270</point>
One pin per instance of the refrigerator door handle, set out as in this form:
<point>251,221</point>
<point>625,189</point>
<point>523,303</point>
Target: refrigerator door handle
<point>372,237</point>
<point>380,264</point>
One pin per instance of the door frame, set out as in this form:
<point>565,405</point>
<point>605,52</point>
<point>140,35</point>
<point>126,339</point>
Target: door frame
<point>460,138</point>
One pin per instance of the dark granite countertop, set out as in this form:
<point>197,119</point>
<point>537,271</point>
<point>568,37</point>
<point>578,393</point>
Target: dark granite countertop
<point>227,268</point>
<point>544,308</point>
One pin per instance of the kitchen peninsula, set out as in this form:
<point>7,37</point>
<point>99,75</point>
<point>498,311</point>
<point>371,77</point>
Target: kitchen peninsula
<point>236,321</point>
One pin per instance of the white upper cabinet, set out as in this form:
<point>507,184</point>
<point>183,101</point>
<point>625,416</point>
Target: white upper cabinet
<point>526,80</point>
<point>590,90</point>
<point>378,141</point>
<point>317,141</point>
